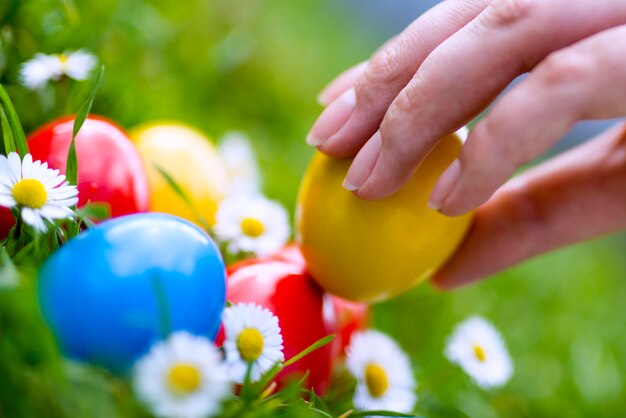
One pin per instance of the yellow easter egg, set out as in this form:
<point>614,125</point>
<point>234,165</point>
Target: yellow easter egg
<point>189,158</point>
<point>373,250</point>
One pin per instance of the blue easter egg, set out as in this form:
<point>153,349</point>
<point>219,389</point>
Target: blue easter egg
<point>120,286</point>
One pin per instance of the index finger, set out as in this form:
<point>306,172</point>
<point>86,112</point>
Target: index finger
<point>345,125</point>
<point>467,71</point>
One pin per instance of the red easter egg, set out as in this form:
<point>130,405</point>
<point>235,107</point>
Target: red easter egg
<point>304,314</point>
<point>6,222</point>
<point>351,317</point>
<point>291,254</point>
<point>109,168</point>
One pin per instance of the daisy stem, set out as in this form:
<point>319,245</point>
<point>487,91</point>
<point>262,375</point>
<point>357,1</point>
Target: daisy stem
<point>63,96</point>
<point>246,387</point>
<point>18,227</point>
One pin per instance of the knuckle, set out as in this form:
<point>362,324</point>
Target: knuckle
<point>565,67</point>
<point>404,104</point>
<point>391,140</point>
<point>530,207</point>
<point>386,132</point>
<point>487,139</point>
<point>386,65</point>
<point>509,12</point>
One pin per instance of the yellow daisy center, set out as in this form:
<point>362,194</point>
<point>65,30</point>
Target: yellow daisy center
<point>63,60</point>
<point>252,227</point>
<point>30,193</point>
<point>250,344</point>
<point>184,378</point>
<point>479,352</point>
<point>376,380</point>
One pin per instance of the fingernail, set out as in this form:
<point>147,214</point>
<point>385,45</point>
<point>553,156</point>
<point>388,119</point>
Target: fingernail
<point>444,185</point>
<point>322,99</point>
<point>332,118</point>
<point>313,141</point>
<point>349,186</point>
<point>363,163</point>
<point>340,84</point>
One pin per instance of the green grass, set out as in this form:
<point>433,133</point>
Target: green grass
<point>256,66</point>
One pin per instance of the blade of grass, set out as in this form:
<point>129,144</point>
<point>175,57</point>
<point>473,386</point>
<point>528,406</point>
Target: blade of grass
<point>95,210</point>
<point>165,321</point>
<point>315,346</point>
<point>181,193</point>
<point>320,412</point>
<point>173,184</point>
<point>70,11</point>
<point>71,169</point>
<point>7,136</point>
<point>319,403</point>
<point>19,139</point>
<point>267,377</point>
<point>277,367</point>
<point>9,277</point>
<point>380,414</point>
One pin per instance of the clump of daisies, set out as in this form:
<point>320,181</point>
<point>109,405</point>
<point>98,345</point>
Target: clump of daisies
<point>43,68</point>
<point>247,223</point>
<point>182,377</point>
<point>40,194</point>
<point>241,165</point>
<point>251,223</point>
<point>383,372</point>
<point>477,347</point>
<point>253,339</point>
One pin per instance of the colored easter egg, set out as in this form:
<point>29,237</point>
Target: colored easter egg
<point>6,222</point>
<point>304,314</point>
<point>188,157</point>
<point>350,316</point>
<point>120,286</point>
<point>109,168</point>
<point>373,250</point>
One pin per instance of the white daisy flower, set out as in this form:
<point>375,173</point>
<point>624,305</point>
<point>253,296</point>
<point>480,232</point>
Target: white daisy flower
<point>251,223</point>
<point>182,377</point>
<point>42,68</point>
<point>38,191</point>
<point>383,372</point>
<point>478,348</point>
<point>241,165</point>
<point>252,336</point>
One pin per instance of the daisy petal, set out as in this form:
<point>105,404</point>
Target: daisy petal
<point>477,347</point>
<point>158,388</point>
<point>56,212</point>
<point>7,201</point>
<point>245,317</point>
<point>32,218</point>
<point>66,202</point>
<point>27,167</point>
<point>79,64</point>
<point>16,166</point>
<point>371,357</point>
<point>54,181</point>
<point>36,72</point>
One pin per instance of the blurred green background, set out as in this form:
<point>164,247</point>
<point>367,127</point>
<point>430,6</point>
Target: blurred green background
<point>256,66</point>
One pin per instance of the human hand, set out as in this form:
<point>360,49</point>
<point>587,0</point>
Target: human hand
<point>446,68</point>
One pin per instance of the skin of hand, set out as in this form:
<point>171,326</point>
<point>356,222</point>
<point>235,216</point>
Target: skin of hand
<point>445,69</point>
